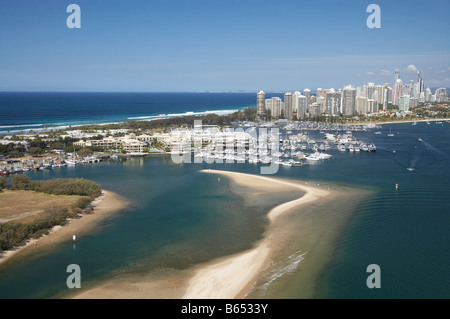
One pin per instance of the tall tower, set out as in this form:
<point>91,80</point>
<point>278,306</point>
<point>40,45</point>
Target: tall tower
<point>307,93</point>
<point>261,103</point>
<point>276,107</point>
<point>295,97</point>
<point>420,87</point>
<point>387,97</point>
<point>302,106</point>
<point>397,75</point>
<point>288,105</point>
<point>398,91</point>
<point>348,100</point>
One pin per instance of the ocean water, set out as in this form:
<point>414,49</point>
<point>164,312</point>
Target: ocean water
<point>181,217</point>
<point>24,111</point>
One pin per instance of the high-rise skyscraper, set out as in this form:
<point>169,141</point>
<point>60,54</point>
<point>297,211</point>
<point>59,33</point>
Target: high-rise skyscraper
<point>368,90</point>
<point>276,107</point>
<point>268,106</point>
<point>361,105</point>
<point>333,102</point>
<point>403,103</point>
<point>288,106</point>
<point>302,107</point>
<point>320,92</point>
<point>359,92</point>
<point>322,104</point>
<point>419,88</point>
<point>261,103</point>
<point>411,89</point>
<point>441,95</point>
<point>428,95</point>
<point>295,102</point>
<point>397,75</point>
<point>398,88</point>
<point>380,90</point>
<point>295,96</point>
<point>307,94</point>
<point>387,97</point>
<point>348,100</point>
<point>372,106</point>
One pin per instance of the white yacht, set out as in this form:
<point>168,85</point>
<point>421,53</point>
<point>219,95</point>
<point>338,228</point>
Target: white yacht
<point>71,162</point>
<point>390,133</point>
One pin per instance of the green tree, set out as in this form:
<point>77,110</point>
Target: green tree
<point>57,146</point>
<point>84,152</point>
<point>20,182</point>
<point>35,151</point>
<point>3,182</point>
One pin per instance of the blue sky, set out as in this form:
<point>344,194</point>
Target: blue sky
<point>218,45</point>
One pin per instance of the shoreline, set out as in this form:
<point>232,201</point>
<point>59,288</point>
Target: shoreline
<point>233,276</point>
<point>403,121</point>
<point>104,206</point>
<point>226,277</point>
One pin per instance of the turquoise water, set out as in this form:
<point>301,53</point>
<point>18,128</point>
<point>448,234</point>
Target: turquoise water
<point>181,217</point>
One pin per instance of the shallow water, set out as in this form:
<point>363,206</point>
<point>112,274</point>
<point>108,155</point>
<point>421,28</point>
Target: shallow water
<point>181,217</point>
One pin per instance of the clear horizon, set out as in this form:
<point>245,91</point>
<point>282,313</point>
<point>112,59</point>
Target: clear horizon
<point>208,46</point>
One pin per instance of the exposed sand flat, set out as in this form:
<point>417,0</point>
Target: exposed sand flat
<point>104,205</point>
<point>224,278</point>
<point>227,277</point>
<point>234,275</point>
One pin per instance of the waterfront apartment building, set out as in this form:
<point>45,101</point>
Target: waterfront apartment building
<point>288,106</point>
<point>398,91</point>
<point>372,106</point>
<point>314,109</point>
<point>276,107</point>
<point>302,107</point>
<point>369,90</point>
<point>403,103</point>
<point>307,93</point>
<point>130,143</point>
<point>333,102</point>
<point>441,95</point>
<point>268,105</point>
<point>361,105</point>
<point>348,100</point>
<point>295,101</point>
<point>260,103</point>
<point>387,96</point>
<point>379,89</point>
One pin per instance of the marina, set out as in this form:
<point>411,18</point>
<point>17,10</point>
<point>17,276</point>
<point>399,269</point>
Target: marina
<point>17,166</point>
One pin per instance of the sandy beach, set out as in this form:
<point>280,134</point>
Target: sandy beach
<point>223,278</point>
<point>104,207</point>
<point>233,276</point>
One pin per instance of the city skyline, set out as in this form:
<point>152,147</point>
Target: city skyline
<point>362,100</point>
<point>212,46</point>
